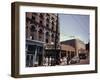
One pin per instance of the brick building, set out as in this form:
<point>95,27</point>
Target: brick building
<point>42,31</point>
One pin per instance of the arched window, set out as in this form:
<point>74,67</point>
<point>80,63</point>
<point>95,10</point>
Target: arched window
<point>47,37</point>
<point>52,18</point>
<point>40,33</point>
<point>47,25</point>
<point>33,32</point>
<point>47,20</point>
<point>41,22</point>
<point>47,40</point>
<point>52,28</point>
<point>41,15</point>
<point>33,18</point>
<point>47,33</point>
<point>47,14</point>
<point>33,29</point>
<point>52,23</point>
<point>52,37</point>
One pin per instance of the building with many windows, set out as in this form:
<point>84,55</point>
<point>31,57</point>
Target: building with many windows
<point>42,38</point>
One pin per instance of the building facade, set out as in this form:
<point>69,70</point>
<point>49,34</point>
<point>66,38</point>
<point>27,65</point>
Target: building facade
<point>80,47</point>
<point>42,31</point>
<point>67,50</point>
<point>67,53</point>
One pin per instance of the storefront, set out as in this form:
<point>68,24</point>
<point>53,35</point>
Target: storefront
<point>52,57</point>
<point>34,53</point>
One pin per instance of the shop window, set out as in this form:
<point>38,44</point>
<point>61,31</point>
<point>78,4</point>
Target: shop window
<point>31,48</point>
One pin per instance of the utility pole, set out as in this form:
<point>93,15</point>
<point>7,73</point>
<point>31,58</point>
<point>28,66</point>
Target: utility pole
<point>56,41</point>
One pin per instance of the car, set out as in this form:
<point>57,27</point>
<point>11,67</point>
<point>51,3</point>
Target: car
<point>74,60</point>
<point>82,56</point>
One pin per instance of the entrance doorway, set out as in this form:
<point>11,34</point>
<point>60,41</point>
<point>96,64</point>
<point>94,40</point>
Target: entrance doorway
<point>34,55</point>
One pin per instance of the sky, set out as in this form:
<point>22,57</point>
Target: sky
<point>74,26</point>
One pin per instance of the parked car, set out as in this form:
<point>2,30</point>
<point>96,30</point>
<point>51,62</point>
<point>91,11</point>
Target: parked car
<point>82,56</point>
<point>74,60</point>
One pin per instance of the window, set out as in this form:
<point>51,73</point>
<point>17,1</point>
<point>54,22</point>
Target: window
<point>41,22</point>
<point>52,23</point>
<point>32,28</point>
<point>47,41</point>
<point>27,57</point>
<point>47,25</point>
<point>47,33</point>
<point>52,28</point>
<point>41,15</point>
<point>52,37</point>
<point>72,54</point>
<point>47,14</point>
<point>40,37</point>
<point>31,47</point>
<point>47,20</point>
<point>52,18</point>
<point>40,32</point>
<point>33,18</point>
<point>47,37</point>
<point>68,52</point>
